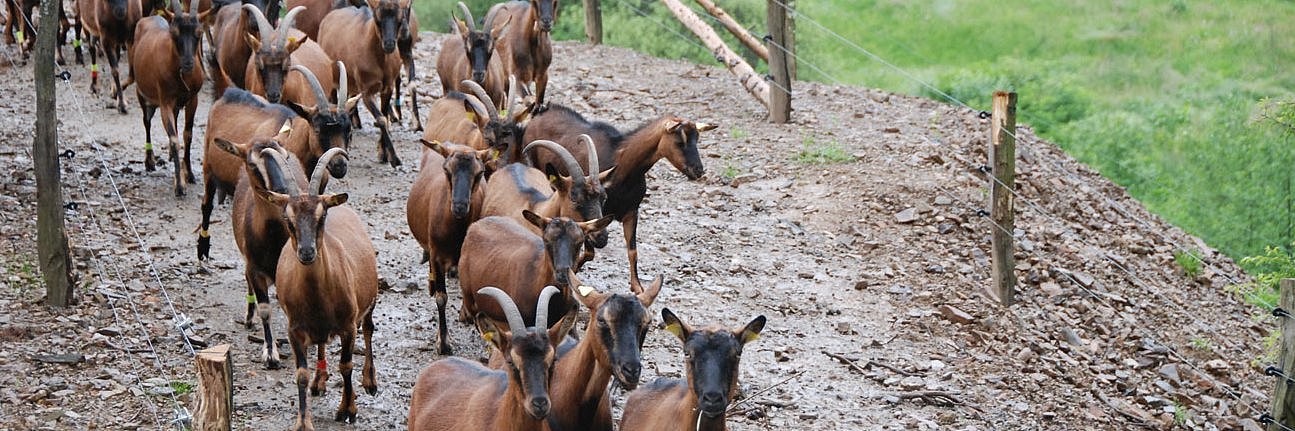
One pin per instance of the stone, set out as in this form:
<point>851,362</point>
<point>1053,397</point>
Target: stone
<point>906,216</point>
<point>1071,337</point>
<point>1051,288</point>
<point>912,383</point>
<point>1217,366</point>
<point>955,315</point>
<point>1170,371</point>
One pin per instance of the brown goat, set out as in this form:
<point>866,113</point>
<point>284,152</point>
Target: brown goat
<point>527,53</point>
<point>405,41</point>
<point>276,52</point>
<point>500,131</point>
<point>712,356</point>
<point>164,66</point>
<point>631,154</point>
<point>239,116</point>
<point>327,283</point>
<point>111,27</point>
<point>445,199</point>
<point>365,38</point>
<point>611,347</point>
<point>499,251</point>
<point>231,44</point>
<point>316,10</point>
<point>578,197</point>
<point>469,55</point>
<point>456,394</point>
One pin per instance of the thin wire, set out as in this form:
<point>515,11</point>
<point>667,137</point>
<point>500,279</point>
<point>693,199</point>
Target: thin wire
<point>779,47</point>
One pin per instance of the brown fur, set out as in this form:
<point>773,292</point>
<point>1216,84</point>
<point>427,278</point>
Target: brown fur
<point>448,120</point>
<point>454,64</point>
<point>155,67</point>
<point>356,36</point>
<point>405,43</point>
<point>232,50</point>
<point>528,51</point>
<point>432,220</point>
<point>308,21</point>
<point>108,34</point>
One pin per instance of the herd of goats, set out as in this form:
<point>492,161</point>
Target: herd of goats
<point>502,196</point>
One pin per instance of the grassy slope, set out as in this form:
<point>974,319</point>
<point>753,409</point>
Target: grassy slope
<point>1161,96</point>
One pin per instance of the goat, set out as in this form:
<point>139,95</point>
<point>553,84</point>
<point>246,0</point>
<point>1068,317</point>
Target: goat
<point>610,348</point>
<point>405,41</point>
<point>162,64</point>
<point>232,35</point>
<point>457,394</point>
<point>442,203</point>
<point>499,251</point>
<point>276,52</point>
<point>111,26</point>
<point>365,38</point>
<point>502,131</point>
<point>308,21</point>
<point>631,154</point>
<point>469,55</point>
<point>577,197</point>
<point>712,356</point>
<point>527,53</point>
<point>20,16</point>
<point>239,116</point>
<point>327,282</point>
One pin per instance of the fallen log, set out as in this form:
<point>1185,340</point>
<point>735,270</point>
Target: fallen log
<point>751,81</point>
<point>738,31</point>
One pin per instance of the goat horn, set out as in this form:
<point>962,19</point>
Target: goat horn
<point>542,308</point>
<point>467,16</point>
<point>593,155</point>
<point>289,181</point>
<point>287,22</point>
<point>176,7</point>
<point>321,99</point>
<point>318,177</point>
<point>481,94</point>
<point>476,105</point>
<point>573,167</point>
<point>193,6</point>
<point>342,92</point>
<point>262,25</point>
<point>515,322</point>
<point>512,95</point>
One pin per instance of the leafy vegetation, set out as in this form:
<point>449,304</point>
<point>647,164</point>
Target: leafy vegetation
<point>815,152</point>
<point>181,387</point>
<point>1189,261</point>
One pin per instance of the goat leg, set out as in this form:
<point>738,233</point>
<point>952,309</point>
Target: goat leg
<point>298,341</point>
<point>368,378</point>
<point>630,225</point>
<point>436,283</point>
<point>346,410</point>
<point>114,55</point>
<point>320,385</point>
<point>78,31</point>
<point>189,112</point>
<point>147,111</point>
<point>94,64</point>
<point>204,237</point>
<point>270,351</point>
<point>169,115</point>
<point>413,97</point>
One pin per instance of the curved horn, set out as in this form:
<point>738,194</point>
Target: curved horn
<point>515,322</point>
<point>193,6</point>
<point>287,22</point>
<point>321,170</point>
<point>593,154</point>
<point>321,99</point>
<point>481,94</point>
<point>573,167</point>
<point>467,16</point>
<point>262,25</point>
<point>477,106</point>
<point>288,180</point>
<point>542,308</point>
<point>342,94</point>
<point>176,7</point>
<point>512,95</point>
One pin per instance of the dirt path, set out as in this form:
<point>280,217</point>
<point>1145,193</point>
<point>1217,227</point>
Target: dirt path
<point>816,246</point>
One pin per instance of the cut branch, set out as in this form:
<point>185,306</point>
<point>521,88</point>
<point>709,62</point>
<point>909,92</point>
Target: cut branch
<point>751,42</point>
<point>751,81</point>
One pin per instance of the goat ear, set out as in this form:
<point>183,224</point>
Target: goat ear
<point>535,219</point>
<point>751,331</point>
<point>596,225</point>
<point>703,127</point>
<point>648,296</point>
<point>675,326</point>
<point>276,198</point>
<point>231,148</point>
<point>294,43</point>
<point>433,145</point>
<point>559,331</point>
<point>486,156</point>
<point>605,177</point>
<point>302,110</point>
<point>253,42</point>
<point>352,102</point>
<point>672,125</point>
<point>207,18</point>
<point>492,334</point>
<point>462,27</point>
<point>335,199</point>
<point>499,32</point>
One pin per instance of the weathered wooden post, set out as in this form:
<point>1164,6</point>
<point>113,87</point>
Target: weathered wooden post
<point>791,38</point>
<point>215,389</point>
<point>1002,153</point>
<point>1283,411</point>
<point>780,92</point>
<point>751,42</point>
<point>594,21</point>
<point>55,265</point>
<point>751,81</point>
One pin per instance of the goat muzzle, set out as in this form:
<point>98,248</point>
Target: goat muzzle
<point>306,255</point>
<point>712,405</point>
<point>337,167</point>
<point>539,407</point>
<point>628,375</point>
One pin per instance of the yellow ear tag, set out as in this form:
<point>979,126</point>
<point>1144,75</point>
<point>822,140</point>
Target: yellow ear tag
<point>472,116</point>
<point>748,336</point>
<point>292,40</point>
<point>489,337</point>
<point>287,127</point>
<point>494,154</point>
<point>552,178</point>
<point>675,329</point>
<point>503,112</point>
<point>585,290</point>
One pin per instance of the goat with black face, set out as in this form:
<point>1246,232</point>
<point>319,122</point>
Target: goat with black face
<point>712,356</point>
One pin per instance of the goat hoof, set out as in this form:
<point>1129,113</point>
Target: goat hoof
<point>272,364</point>
<point>444,350</point>
<point>204,248</point>
<point>345,416</point>
<point>371,390</point>
<point>315,392</point>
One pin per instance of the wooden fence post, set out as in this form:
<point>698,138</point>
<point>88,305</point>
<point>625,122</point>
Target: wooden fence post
<point>215,389</point>
<point>1284,396</point>
<point>780,92</point>
<point>594,21</point>
<point>55,264</point>
<point>1002,153</point>
<point>791,38</point>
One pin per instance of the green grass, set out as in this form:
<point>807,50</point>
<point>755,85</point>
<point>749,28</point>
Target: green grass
<point>731,170</point>
<point>815,152</point>
<point>1189,261</point>
<point>182,387</point>
<point>1202,344</point>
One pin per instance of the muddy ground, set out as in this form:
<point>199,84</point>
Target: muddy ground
<point>853,229</point>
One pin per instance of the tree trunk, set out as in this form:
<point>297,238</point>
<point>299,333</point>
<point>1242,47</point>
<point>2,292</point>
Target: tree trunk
<point>751,81</point>
<point>738,31</point>
<point>215,389</point>
<point>55,265</point>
